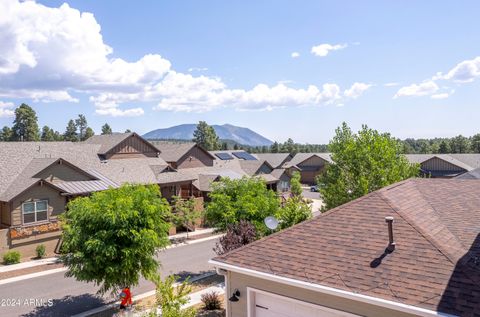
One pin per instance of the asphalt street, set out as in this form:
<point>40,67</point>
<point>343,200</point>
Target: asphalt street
<point>63,296</point>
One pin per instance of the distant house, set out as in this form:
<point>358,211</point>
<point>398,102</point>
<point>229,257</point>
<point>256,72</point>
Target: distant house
<point>410,249</point>
<point>276,160</point>
<point>39,178</point>
<point>445,165</point>
<point>184,155</point>
<point>310,165</point>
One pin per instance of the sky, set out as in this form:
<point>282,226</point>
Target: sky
<point>284,69</point>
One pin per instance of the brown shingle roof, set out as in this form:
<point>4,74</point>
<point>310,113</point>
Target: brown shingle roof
<point>174,151</point>
<point>435,264</point>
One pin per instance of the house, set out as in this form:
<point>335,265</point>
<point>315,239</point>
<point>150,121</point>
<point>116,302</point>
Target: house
<point>184,155</point>
<point>410,249</point>
<point>310,165</point>
<point>445,165</point>
<point>39,178</point>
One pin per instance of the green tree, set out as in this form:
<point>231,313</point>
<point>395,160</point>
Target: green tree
<point>25,125</point>
<point>293,211</point>
<point>184,213</point>
<point>111,237</point>
<point>275,148</point>
<point>71,132</point>
<point>170,297</point>
<point>224,146</point>
<point>295,185</point>
<point>128,131</point>
<point>443,147</point>
<point>459,144</point>
<point>47,134</point>
<point>475,143</point>
<point>6,134</point>
<point>246,198</point>
<point>205,136</point>
<point>362,163</point>
<point>106,129</point>
<point>88,133</point>
<point>81,124</point>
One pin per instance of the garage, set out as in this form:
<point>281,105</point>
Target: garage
<point>265,304</point>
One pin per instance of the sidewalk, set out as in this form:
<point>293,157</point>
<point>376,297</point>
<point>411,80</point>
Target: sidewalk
<point>29,264</point>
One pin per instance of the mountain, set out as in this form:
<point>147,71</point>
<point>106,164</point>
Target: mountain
<point>240,135</point>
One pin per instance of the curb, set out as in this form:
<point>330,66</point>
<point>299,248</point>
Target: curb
<point>135,298</point>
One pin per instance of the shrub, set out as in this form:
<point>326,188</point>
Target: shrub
<point>211,301</point>
<point>237,235</point>
<point>11,257</point>
<point>40,250</point>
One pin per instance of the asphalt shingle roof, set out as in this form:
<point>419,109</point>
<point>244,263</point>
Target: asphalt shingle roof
<point>434,265</point>
<point>276,160</point>
<point>301,157</point>
<point>473,174</point>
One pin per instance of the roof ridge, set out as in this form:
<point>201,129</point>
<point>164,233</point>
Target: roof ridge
<point>453,258</point>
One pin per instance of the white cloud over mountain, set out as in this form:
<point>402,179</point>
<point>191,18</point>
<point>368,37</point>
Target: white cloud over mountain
<point>58,54</point>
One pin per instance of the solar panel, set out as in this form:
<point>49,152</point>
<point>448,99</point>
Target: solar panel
<point>224,156</point>
<point>244,156</point>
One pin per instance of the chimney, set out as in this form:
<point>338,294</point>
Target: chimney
<point>391,243</point>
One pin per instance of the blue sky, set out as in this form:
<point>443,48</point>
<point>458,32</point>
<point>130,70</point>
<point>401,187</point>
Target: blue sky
<point>411,68</point>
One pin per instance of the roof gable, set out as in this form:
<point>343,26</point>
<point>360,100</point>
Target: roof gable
<point>109,142</point>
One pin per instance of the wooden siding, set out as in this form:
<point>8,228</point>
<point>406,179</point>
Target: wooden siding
<point>196,157</point>
<point>311,168</point>
<point>62,172</point>
<point>437,164</point>
<point>132,147</point>
<point>56,202</point>
<point>313,161</point>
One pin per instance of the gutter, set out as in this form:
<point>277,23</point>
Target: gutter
<point>400,307</point>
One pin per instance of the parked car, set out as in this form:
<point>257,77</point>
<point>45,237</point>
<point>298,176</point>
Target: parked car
<point>314,188</point>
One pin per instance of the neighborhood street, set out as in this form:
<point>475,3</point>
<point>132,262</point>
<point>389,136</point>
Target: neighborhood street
<point>71,297</point>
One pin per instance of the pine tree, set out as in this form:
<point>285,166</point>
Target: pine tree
<point>47,134</point>
<point>89,133</point>
<point>6,134</point>
<point>71,132</point>
<point>205,136</point>
<point>25,125</point>
<point>81,124</point>
<point>106,129</point>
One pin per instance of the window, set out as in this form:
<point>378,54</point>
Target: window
<point>35,211</point>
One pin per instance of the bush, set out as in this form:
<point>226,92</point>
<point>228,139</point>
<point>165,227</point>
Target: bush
<point>237,235</point>
<point>40,250</point>
<point>11,257</point>
<point>211,301</point>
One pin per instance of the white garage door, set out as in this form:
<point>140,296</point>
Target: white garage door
<point>264,304</point>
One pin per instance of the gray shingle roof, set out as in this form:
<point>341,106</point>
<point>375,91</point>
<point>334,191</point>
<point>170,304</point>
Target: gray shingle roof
<point>109,141</point>
<point>274,159</point>
<point>473,174</point>
<point>465,161</point>
<point>173,151</point>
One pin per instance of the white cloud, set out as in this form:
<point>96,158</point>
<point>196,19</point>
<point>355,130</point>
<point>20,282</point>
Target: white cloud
<point>423,89</point>
<point>6,110</point>
<point>464,72</point>
<point>322,50</point>
<point>197,69</point>
<point>440,96</point>
<point>392,84</point>
<point>356,90</point>
<point>295,55</point>
<point>55,54</point>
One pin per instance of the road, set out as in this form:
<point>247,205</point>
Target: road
<point>70,297</point>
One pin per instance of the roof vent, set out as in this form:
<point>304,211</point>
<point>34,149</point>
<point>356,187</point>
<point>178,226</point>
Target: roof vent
<point>391,243</point>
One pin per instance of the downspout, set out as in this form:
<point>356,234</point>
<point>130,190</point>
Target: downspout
<point>225,274</point>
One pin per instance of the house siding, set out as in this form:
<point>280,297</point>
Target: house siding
<point>130,148</point>
<point>5,213</point>
<point>311,168</point>
<point>56,202</point>
<point>438,165</point>
<point>196,157</point>
<point>264,169</point>
<point>242,281</point>
<point>62,173</point>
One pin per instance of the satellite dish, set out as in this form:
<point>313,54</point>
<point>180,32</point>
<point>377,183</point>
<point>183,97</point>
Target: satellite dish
<point>271,222</point>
